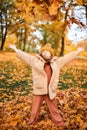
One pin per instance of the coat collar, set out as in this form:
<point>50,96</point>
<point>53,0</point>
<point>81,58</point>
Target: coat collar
<point>54,58</point>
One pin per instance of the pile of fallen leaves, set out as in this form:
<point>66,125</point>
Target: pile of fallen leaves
<point>16,96</point>
<point>72,104</point>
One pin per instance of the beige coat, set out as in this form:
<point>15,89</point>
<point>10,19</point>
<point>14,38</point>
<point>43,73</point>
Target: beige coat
<point>39,75</point>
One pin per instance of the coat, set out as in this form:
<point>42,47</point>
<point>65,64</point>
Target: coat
<point>39,75</point>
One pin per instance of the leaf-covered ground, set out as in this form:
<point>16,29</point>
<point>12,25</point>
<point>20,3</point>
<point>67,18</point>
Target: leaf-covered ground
<point>16,96</point>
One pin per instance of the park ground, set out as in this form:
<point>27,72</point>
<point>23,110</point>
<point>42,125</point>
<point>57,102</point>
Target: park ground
<point>16,96</point>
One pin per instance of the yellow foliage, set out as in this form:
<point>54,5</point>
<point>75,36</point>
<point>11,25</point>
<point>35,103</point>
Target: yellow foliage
<point>69,46</point>
<point>20,6</point>
<point>58,27</point>
<point>13,123</point>
<point>79,2</point>
<point>85,1</point>
<point>84,53</point>
<point>10,39</point>
<point>54,8</point>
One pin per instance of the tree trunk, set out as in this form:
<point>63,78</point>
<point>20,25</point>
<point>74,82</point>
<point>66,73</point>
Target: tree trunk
<point>86,14</point>
<point>3,31</point>
<point>62,47</point>
<point>3,40</point>
<point>24,40</point>
<point>63,39</point>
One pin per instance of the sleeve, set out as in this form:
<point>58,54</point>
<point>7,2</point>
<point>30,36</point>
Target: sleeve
<point>62,61</point>
<point>25,57</point>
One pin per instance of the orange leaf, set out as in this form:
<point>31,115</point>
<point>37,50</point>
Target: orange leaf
<point>53,9</point>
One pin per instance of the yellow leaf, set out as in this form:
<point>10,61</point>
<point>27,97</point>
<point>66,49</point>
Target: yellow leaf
<point>54,8</point>
<point>13,123</point>
<point>79,2</point>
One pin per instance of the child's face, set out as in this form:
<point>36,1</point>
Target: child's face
<point>46,55</point>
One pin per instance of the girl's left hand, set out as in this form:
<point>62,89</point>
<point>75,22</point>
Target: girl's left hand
<point>80,49</point>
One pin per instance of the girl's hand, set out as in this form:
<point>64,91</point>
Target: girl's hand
<point>13,46</point>
<point>80,49</point>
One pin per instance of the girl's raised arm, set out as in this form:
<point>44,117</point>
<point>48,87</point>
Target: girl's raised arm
<point>62,61</point>
<point>27,58</point>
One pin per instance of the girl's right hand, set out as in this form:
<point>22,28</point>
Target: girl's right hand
<point>13,46</point>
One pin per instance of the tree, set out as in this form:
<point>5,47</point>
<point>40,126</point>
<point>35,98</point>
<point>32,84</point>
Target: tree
<point>55,13</point>
<point>5,19</point>
<point>84,4</point>
<point>50,34</point>
<point>32,12</point>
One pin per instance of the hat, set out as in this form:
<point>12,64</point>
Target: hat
<point>47,47</point>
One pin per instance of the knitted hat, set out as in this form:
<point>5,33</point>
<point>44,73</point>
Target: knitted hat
<point>47,47</point>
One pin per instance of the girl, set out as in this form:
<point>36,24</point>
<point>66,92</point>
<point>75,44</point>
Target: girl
<point>45,71</point>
